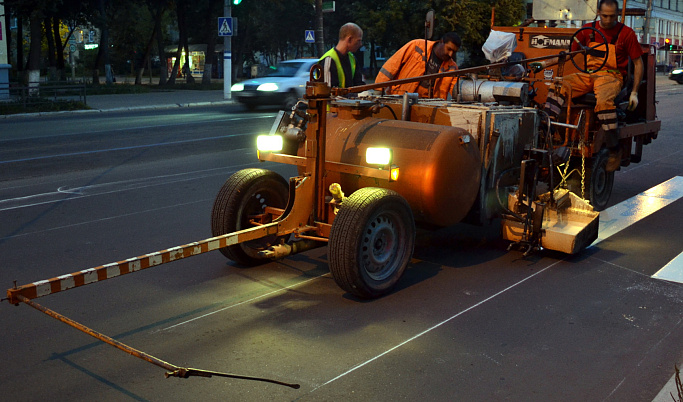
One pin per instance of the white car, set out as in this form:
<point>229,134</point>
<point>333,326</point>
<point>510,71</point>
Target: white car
<point>283,85</point>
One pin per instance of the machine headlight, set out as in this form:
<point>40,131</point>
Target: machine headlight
<point>268,87</point>
<point>237,87</point>
<point>378,156</point>
<point>677,71</point>
<point>269,143</point>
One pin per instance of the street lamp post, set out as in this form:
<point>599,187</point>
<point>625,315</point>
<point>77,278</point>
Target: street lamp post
<point>227,55</point>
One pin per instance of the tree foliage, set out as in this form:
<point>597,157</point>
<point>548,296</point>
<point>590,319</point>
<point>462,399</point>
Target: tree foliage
<point>268,30</point>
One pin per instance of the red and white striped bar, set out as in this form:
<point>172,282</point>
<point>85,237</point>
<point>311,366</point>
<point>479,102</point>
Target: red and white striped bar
<point>114,269</point>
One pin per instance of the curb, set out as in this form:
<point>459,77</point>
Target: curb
<point>121,109</point>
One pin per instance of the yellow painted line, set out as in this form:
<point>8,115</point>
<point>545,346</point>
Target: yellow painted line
<point>618,217</point>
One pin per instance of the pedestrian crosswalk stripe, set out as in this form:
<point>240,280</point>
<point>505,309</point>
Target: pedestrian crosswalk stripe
<point>673,271</point>
<point>626,213</point>
<point>618,217</point>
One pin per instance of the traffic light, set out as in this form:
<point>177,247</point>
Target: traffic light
<point>236,2</point>
<point>667,45</point>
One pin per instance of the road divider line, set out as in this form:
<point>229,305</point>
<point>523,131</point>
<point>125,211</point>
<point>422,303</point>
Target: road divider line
<point>108,218</point>
<point>356,367</point>
<point>245,301</point>
<point>619,217</point>
<point>98,151</point>
<point>74,193</point>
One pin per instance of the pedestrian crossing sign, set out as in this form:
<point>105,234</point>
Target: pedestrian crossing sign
<point>224,26</point>
<point>310,36</point>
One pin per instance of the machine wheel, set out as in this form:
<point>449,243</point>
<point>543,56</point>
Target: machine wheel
<point>247,193</point>
<point>371,242</point>
<point>602,47</point>
<point>290,100</point>
<point>600,181</point>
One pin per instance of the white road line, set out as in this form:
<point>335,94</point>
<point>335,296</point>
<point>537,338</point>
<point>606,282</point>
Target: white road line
<point>121,129</point>
<point>108,218</point>
<point>673,271</point>
<point>439,324</point>
<point>663,195</point>
<point>73,193</point>
<point>155,145</point>
<point>244,302</point>
<point>618,217</point>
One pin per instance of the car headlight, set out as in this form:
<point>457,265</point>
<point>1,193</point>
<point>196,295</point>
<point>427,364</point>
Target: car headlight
<point>237,87</point>
<point>268,87</point>
<point>677,71</point>
<point>269,143</point>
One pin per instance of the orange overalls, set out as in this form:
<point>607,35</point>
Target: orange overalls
<point>606,84</point>
<point>409,62</point>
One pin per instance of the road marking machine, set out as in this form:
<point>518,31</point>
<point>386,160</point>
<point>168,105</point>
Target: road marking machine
<point>373,167</point>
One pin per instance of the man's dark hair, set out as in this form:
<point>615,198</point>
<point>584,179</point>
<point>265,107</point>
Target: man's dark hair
<point>454,38</point>
<point>608,3</point>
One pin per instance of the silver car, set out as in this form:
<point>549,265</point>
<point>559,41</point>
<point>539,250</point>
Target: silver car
<point>283,85</point>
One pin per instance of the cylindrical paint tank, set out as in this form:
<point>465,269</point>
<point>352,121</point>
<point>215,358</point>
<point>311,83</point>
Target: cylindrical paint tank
<point>491,91</point>
<point>440,166</point>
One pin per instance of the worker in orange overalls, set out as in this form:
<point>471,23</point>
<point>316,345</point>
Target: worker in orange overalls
<point>413,61</point>
<point>606,83</point>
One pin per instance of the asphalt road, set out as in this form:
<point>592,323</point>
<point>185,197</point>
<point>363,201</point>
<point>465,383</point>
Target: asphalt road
<point>469,320</point>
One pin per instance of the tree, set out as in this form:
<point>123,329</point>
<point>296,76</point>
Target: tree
<point>33,10</point>
<point>163,68</point>
<point>213,9</point>
<point>65,16</point>
<point>33,65</point>
<point>472,20</point>
<point>375,17</point>
<point>100,20</point>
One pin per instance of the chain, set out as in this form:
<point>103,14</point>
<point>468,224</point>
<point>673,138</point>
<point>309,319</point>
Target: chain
<point>568,163</point>
<point>583,169</point>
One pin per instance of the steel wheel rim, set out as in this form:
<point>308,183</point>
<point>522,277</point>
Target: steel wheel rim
<point>380,246</point>
<point>255,205</point>
<point>600,181</point>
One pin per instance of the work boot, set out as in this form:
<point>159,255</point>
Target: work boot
<point>614,160</point>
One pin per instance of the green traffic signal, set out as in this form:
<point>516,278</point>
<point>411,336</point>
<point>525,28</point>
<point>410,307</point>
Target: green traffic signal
<point>236,2</point>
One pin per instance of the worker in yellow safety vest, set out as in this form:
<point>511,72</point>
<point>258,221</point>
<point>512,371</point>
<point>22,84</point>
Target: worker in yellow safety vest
<point>339,64</point>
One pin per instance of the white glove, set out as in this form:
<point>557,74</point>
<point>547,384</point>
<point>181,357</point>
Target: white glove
<point>633,101</point>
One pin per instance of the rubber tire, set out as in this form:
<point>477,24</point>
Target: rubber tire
<point>600,181</point>
<point>247,192</point>
<point>371,216</point>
